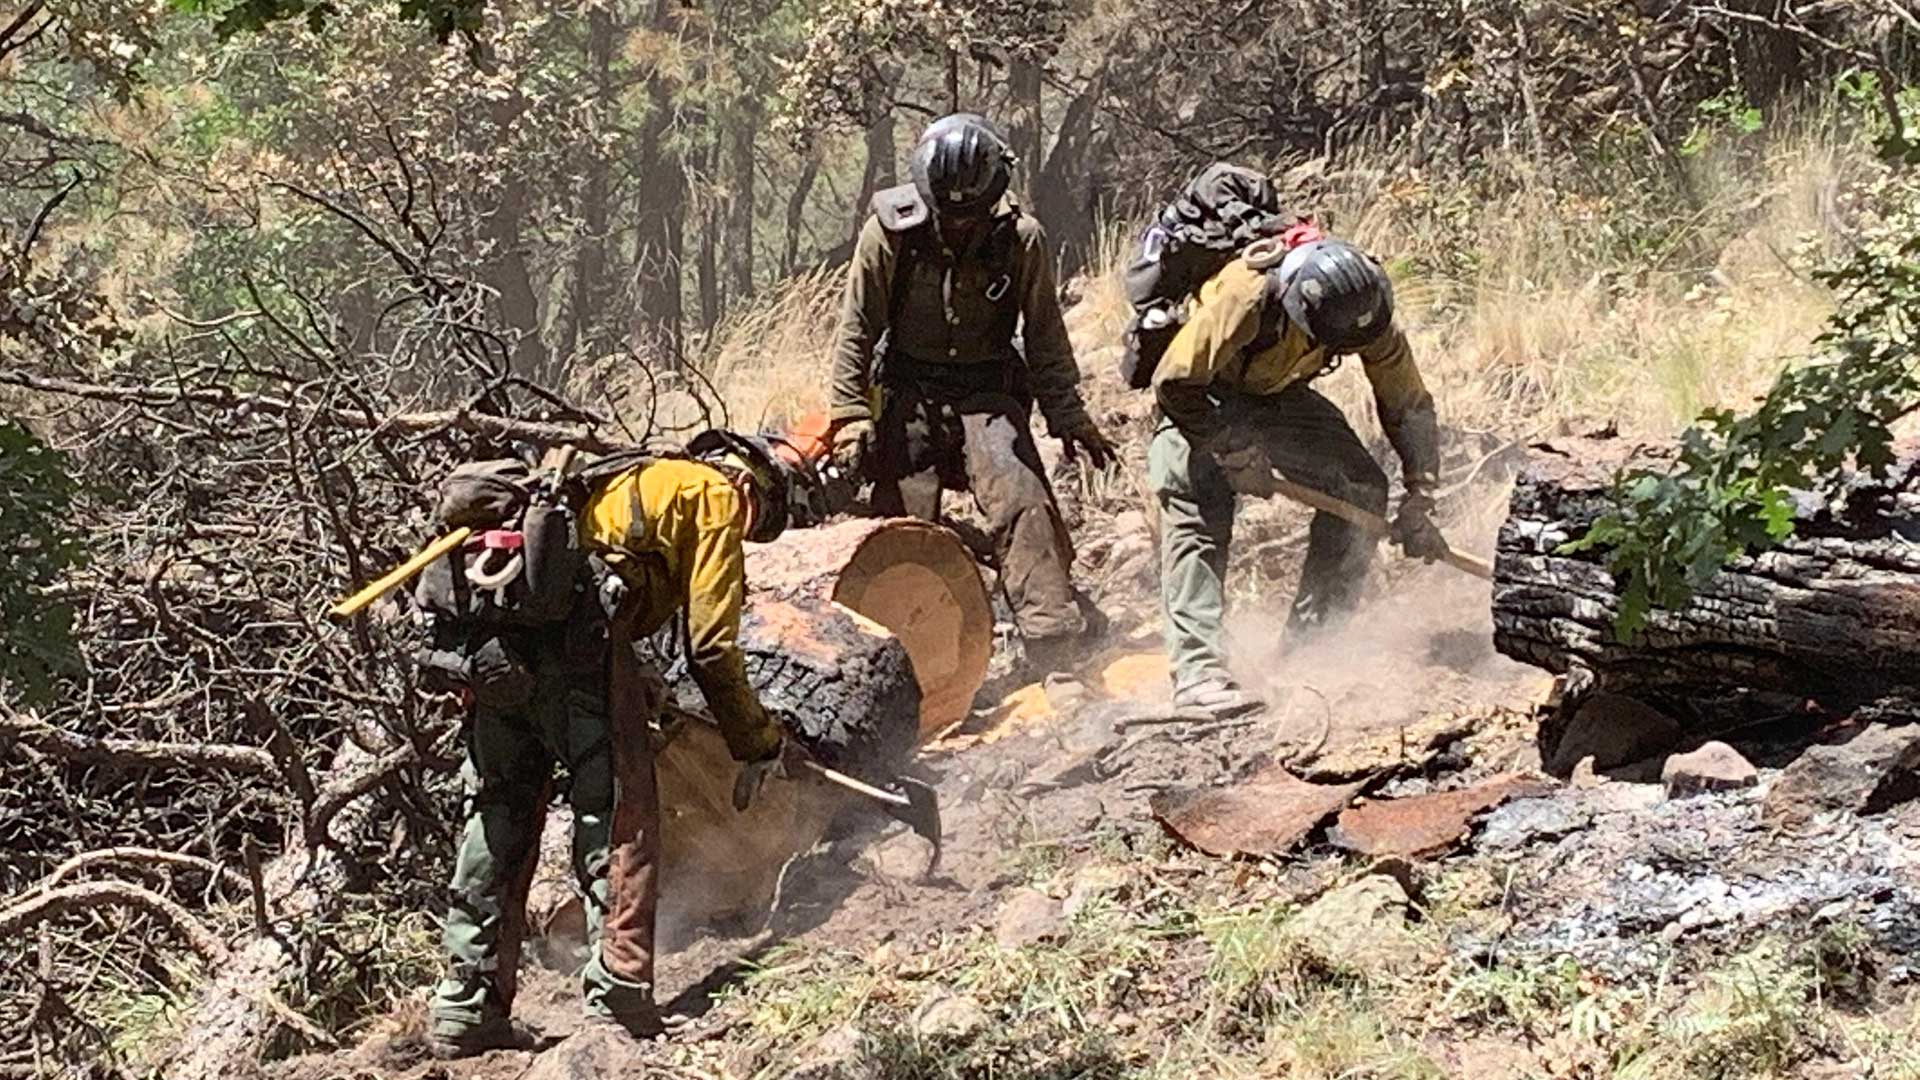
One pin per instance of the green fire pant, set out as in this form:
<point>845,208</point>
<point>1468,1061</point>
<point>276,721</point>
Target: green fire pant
<point>1311,443</point>
<point>511,753</point>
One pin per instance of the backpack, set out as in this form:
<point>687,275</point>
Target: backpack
<point>1214,218</point>
<point>524,565</point>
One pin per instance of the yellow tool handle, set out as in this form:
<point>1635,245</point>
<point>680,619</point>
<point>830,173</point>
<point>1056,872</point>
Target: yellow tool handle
<point>398,576</point>
<point>1371,522</point>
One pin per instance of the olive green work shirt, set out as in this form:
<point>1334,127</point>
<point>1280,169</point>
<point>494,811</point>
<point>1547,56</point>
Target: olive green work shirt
<point>1211,354</point>
<point>952,315</point>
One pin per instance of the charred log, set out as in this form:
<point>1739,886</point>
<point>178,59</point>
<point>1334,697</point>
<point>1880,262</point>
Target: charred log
<point>1827,619</point>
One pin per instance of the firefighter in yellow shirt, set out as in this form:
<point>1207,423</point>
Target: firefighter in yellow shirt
<point>1235,404</point>
<point>672,531</point>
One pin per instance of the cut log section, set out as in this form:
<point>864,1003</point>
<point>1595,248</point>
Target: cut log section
<point>1831,616</point>
<point>916,579</point>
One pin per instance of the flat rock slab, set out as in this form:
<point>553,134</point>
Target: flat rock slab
<point>1028,917</point>
<point>1714,767</point>
<point>1265,814</point>
<point>1423,824</point>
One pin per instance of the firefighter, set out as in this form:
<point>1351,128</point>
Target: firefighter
<point>1236,403</point>
<point>930,390</point>
<point>671,532</point>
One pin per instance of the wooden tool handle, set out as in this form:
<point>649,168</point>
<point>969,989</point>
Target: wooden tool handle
<point>1372,522</point>
<point>399,575</point>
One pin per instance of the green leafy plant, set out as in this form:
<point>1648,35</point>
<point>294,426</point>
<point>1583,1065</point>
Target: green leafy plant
<point>36,490</point>
<point>1731,487</point>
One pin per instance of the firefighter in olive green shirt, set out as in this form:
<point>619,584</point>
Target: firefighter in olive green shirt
<point>1236,405</point>
<point>944,274</point>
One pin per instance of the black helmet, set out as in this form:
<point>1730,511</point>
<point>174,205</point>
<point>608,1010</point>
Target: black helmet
<point>1336,293</point>
<point>786,490</point>
<point>962,165</point>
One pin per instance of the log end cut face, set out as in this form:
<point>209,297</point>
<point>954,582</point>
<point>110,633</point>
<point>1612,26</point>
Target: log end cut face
<point>920,582</point>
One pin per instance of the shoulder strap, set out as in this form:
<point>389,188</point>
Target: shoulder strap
<point>906,254</point>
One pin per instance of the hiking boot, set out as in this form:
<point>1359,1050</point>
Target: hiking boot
<point>448,1042</point>
<point>1220,698</point>
<point>643,1025</point>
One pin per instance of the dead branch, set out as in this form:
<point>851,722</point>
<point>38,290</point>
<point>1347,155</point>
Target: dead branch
<point>134,753</point>
<point>537,432</point>
<point>138,856</point>
<point>98,894</point>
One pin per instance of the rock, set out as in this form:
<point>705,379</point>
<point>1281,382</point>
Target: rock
<point>1714,767</point>
<point>833,1056</point>
<point>1526,821</point>
<point>1358,927</point>
<point>906,857</point>
<point>1874,770</point>
<point>1090,884</point>
<point>593,1052</point>
<point>1613,730</point>
<point>1028,917</point>
<point>1064,692</point>
<point>949,1015</point>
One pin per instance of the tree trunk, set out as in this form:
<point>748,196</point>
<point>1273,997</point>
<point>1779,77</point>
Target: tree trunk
<point>915,579</point>
<point>588,317</point>
<point>797,213</point>
<point>1065,196</point>
<point>1828,617</point>
<point>712,215</point>
<point>659,214</point>
<point>746,136</point>
<point>1027,127</point>
<point>880,172</point>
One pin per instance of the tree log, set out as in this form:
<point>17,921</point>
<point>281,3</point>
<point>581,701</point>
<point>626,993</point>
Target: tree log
<point>916,579</point>
<point>1831,616</point>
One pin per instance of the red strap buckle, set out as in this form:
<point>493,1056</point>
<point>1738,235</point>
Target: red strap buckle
<point>1301,232</point>
<point>503,539</point>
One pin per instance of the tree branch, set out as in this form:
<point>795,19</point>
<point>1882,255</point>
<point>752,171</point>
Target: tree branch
<point>538,432</point>
<point>172,860</point>
<point>135,753</point>
<point>97,894</point>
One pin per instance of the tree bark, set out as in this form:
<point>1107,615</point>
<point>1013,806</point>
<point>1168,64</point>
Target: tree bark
<point>746,137</point>
<point>1828,617</point>
<point>1027,126</point>
<point>659,212</point>
<point>880,172</point>
<point>586,331</point>
<point>1066,197</point>
<point>797,213</point>
<point>712,218</point>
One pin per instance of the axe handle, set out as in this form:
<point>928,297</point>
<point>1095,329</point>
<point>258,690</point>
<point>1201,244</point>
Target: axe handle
<point>1370,521</point>
<point>857,786</point>
<point>398,576</point>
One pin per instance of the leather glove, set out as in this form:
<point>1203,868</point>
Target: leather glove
<point>1086,435</point>
<point>852,442</point>
<point>1413,529</point>
<point>1248,469</point>
<point>746,785</point>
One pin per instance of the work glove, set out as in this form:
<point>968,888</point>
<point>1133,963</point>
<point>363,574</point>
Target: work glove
<point>746,785</point>
<point>1248,469</point>
<point>1086,435</point>
<point>852,442</point>
<point>1413,529</point>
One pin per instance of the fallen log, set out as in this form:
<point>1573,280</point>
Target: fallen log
<point>1831,616</point>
